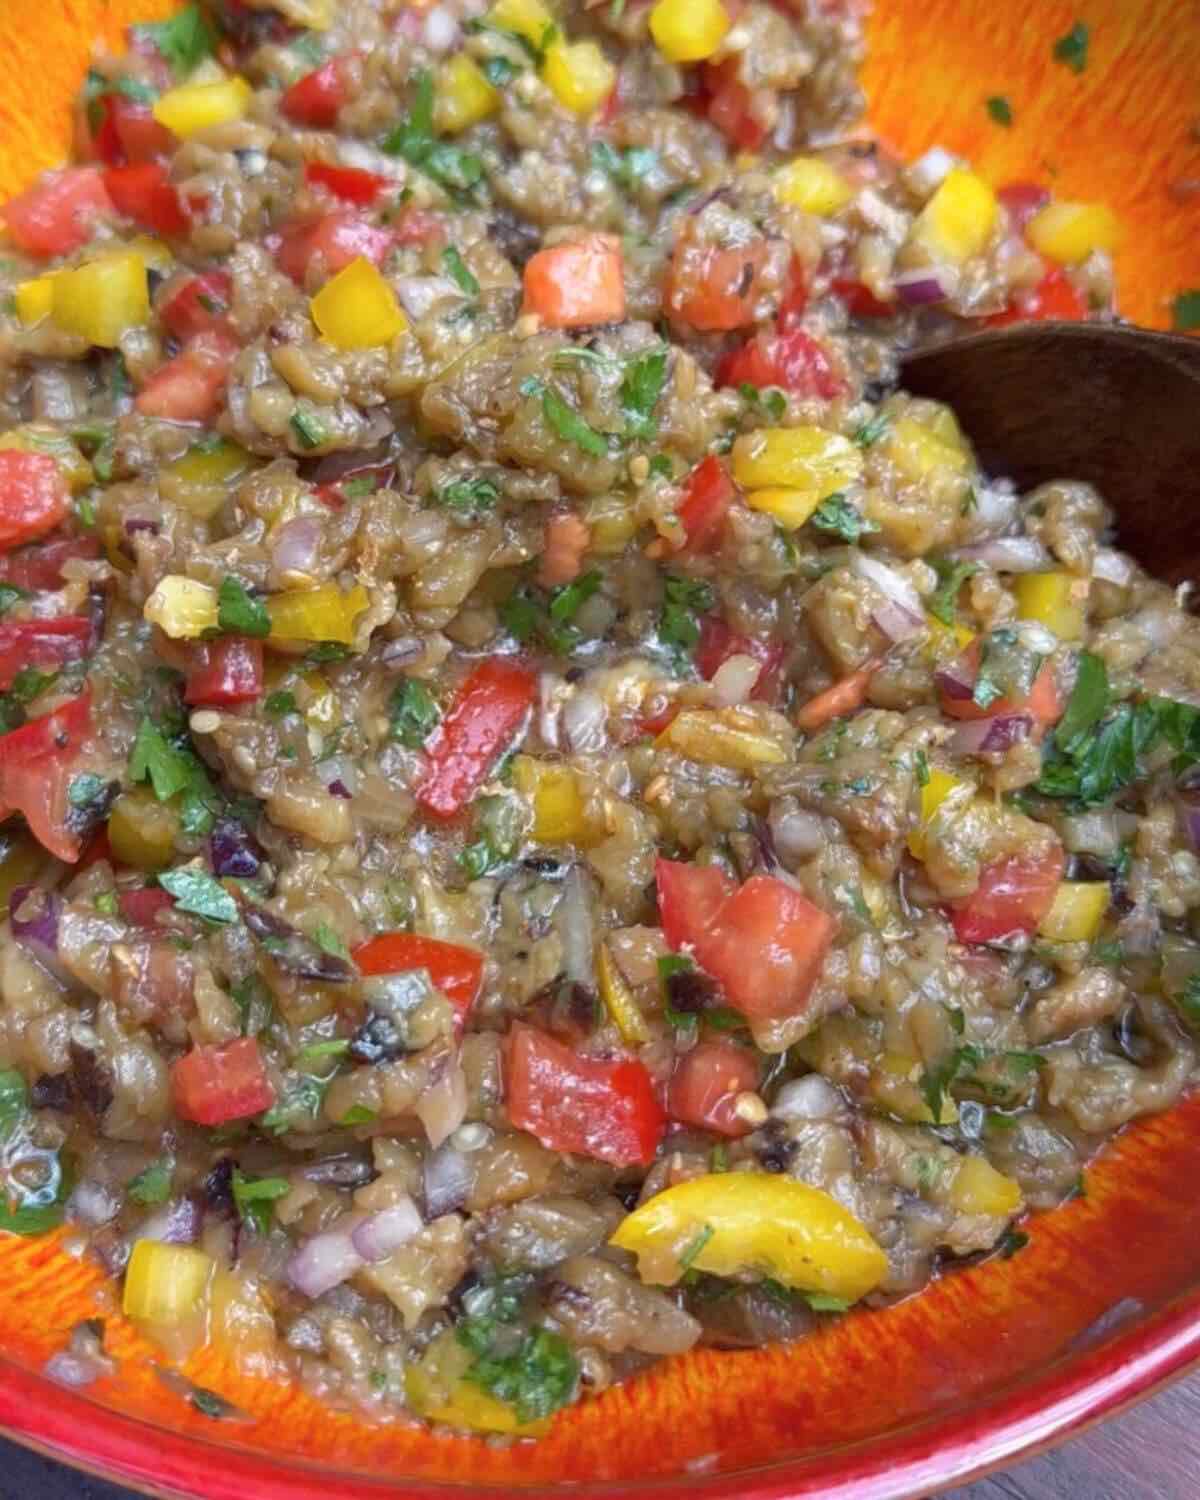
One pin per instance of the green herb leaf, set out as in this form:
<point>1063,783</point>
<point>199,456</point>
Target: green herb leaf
<point>1185,311</point>
<point>770,398</point>
<point>152,1185</point>
<point>838,517</point>
<point>626,166</point>
<point>826,1302</point>
<point>1102,761</point>
<point>1072,49</point>
<point>308,429</point>
<point>253,1197</point>
<point>298,1103</point>
<point>155,759</point>
<point>565,421</point>
<point>10,595</point>
<point>921,768</point>
<point>414,140</point>
<point>239,612</point>
<point>566,602</point>
<point>280,704</point>
<point>469,497</point>
<point>457,270</point>
<point>693,1249</point>
<point>937,1080</point>
<point>197,892</point>
<point>209,1404</point>
<point>498,71</point>
<point>14,1100</point>
<point>641,388</point>
<point>1010,1242</point>
<point>684,600</point>
<point>414,713</point>
<point>662,467</point>
<point>1087,704</point>
<point>253,1000</point>
<point>87,790</point>
<point>942,604</point>
<point>1000,110</point>
<point>184,41</point>
<point>519,615</point>
<point>871,432</point>
<point>327,938</point>
<point>536,1378</point>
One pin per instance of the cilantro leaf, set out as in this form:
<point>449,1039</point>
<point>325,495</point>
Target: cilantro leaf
<point>695,1246</point>
<point>942,604</point>
<point>838,517</point>
<point>152,1185</point>
<point>871,432</point>
<point>499,825</point>
<point>184,40</point>
<point>14,1100</point>
<point>772,400</point>
<point>827,1302</point>
<point>1072,49</point>
<point>156,760</point>
<point>565,421</point>
<point>519,615</point>
<point>280,704</point>
<point>298,1102</point>
<point>414,713</point>
<point>329,940</point>
<point>414,140</point>
<point>1185,311</point>
<point>684,600</point>
<point>239,612</point>
<point>470,496</point>
<point>253,1197</point>
<point>10,595</point>
<point>537,1377</point>
<point>566,602</point>
<point>457,270</point>
<point>196,891</point>
<point>255,1005</point>
<point>641,388</point>
<point>1103,761</point>
<point>1087,703</point>
<point>937,1080</point>
<point>1000,110</point>
<point>625,166</point>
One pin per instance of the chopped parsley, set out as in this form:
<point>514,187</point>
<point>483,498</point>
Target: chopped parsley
<point>693,1249</point>
<point>771,399</point>
<point>566,602</point>
<point>921,769</point>
<point>1000,110</point>
<point>498,71</point>
<point>172,768</point>
<point>280,704</point>
<point>198,892</point>
<point>458,271</point>
<point>1185,311</point>
<point>358,1114</point>
<point>28,685</point>
<point>1087,704</point>
<point>253,1198</point>
<point>625,166</point>
<point>534,1372</point>
<point>297,1103</point>
<point>414,140</point>
<point>152,1185</point>
<point>499,825</point>
<point>469,497</point>
<point>239,612</point>
<point>871,432</point>
<point>1010,1242</point>
<point>565,421</point>
<point>329,941</point>
<point>839,518</point>
<point>662,467</point>
<point>1188,1000</point>
<point>413,712</point>
<point>184,40</point>
<point>645,376</point>
<point>308,429</point>
<point>10,595</point>
<point>684,601</point>
<point>826,1302</point>
<point>255,1005</point>
<point>1072,49</point>
<point>942,604</point>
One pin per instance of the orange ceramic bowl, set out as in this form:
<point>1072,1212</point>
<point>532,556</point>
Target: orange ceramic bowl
<point>995,1360</point>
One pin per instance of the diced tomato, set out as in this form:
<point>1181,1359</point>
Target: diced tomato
<point>338,238</point>
<point>58,214</point>
<point>705,1085</point>
<point>40,566</point>
<point>731,105</point>
<point>34,497</point>
<point>141,908</point>
<point>487,713</point>
<point>1023,200</point>
<point>214,1084</point>
<point>316,98</point>
<point>1055,298</point>
<point>706,501</point>
<point>689,897</point>
<point>836,701</point>
<point>351,183</point>
<point>718,643</point>
<point>794,360</point>
<point>860,300</point>
<point>419,226</point>
<point>1013,895</point>
<point>144,193</point>
<point>1044,702</point>
<point>140,135</point>
<point>42,644</point>
<point>198,305</point>
<point>605,1110</point>
<point>225,672</point>
<point>455,970</point>
<point>36,763</point>
<point>189,387</point>
<point>577,284</point>
<point>715,290</point>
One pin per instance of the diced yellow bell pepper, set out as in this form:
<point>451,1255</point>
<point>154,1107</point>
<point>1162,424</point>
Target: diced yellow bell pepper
<point>958,220</point>
<point>1069,232</point>
<point>155,255</point>
<point>810,183</point>
<point>798,458</point>
<point>165,1284</point>
<point>1077,911</point>
<point>34,299</point>
<point>193,107</point>
<point>102,299</point>
<point>182,608</point>
<point>437,1390</point>
<point>715,737</point>
<point>689,30</point>
<point>579,76</point>
<point>945,641</point>
<point>896,1087</point>
<point>613,522</point>
<point>919,452</point>
<point>35,438</point>
<point>791,508</point>
<point>464,96</point>
<point>1056,600</point>
<point>979,1189</point>
<point>938,790</point>
<point>142,830</point>
<point>729,1222</point>
<point>322,613</point>
<point>618,999</point>
<point>358,309</point>
<point>200,480</point>
<point>527,18</point>
<point>559,812</point>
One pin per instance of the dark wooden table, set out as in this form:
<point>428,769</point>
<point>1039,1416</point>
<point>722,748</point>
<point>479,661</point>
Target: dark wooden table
<point>1150,1453</point>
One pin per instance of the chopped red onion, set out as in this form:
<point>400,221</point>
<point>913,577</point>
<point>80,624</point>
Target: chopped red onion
<point>1112,567</point>
<point>384,1232</point>
<point>1008,554</point>
<point>447,1180</point>
<point>891,583</point>
<point>988,736</point>
<point>585,722</point>
<point>234,851</point>
<point>926,287</point>
<point>952,682</point>
<point>576,928</point>
<point>325,1260</point>
<point>338,771</point>
<point>134,524</point>
<point>176,1223</point>
<point>297,544</point>
<point>34,913</point>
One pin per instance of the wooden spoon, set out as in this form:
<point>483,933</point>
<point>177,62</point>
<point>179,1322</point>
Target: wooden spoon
<point>1115,405</point>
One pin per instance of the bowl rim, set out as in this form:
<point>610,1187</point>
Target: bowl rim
<point>1076,1391</point>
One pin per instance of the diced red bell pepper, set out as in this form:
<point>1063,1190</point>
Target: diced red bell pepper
<point>1055,298</point>
<point>706,1083</point>
<point>337,239</point>
<point>730,105</point>
<point>1023,200</point>
<point>141,908</point>
<point>58,214</point>
<point>956,686</point>
<point>351,183</point>
<point>189,387</point>
<point>198,305</point>
<point>34,497</point>
<point>142,138</point>
<point>316,98</point>
<point>718,643</point>
<point>40,566</point>
<point>453,969</point>
<point>144,193</point>
<point>1013,896</point>
<point>712,289</point>
<point>214,1084</point>
<point>96,135</point>
<point>42,644</point>
<point>57,734</point>
<point>689,897</point>
<point>605,1110</point>
<point>36,771</point>
<point>860,300</point>
<point>225,672</point>
<point>794,360</point>
<point>706,500</point>
<point>487,713</point>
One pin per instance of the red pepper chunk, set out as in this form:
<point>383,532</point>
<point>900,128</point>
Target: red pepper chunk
<point>41,643</point>
<point>705,1085</point>
<point>141,908</point>
<point>454,970</point>
<point>718,643</point>
<point>1013,895</point>
<point>33,496</point>
<point>36,769</point>
<point>487,712</point>
<point>316,98</point>
<point>40,566</point>
<point>214,1084</point>
<point>144,193</point>
<point>1055,298</point>
<point>712,289</point>
<point>587,1106</point>
<point>793,360</point>
<point>350,183</point>
<point>58,214</point>
<point>689,897</point>
<point>199,305</point>
<point>225,672</point>
<point>706,500</point>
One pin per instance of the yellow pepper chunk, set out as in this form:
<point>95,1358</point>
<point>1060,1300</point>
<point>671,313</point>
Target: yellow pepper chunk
<point>155,255</point>
<point>437,1389</point>
<point>753,1221</point>
<point>579,76</point>
<point>559,812</point>
<point>358,309</point>
<point>1056,600</point>
<point>194,107</point>
<point>102,299</point>
<point>1078,910</point>
<point>526,18</point>
<point>958,220</point>
<point>797,458</point>
<point>1069,232</point>
<point>34,299</point>
<point>716,737</point>
<point>142,830</point>
<point>34,438</point>
<point>688,30</point>
<point>791,508</point>
<point>464,96</point>
<point>919,452</point>
<point>182,608</point>
<point>979,1189</point>
<point>165,1283</point>
<point>810,183</point>
<point>618,999</point>
<point>945,641</point>
<point>322,613</point>
<point>938,790</point>
<point>200,480</point>
<point>613,522</point>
